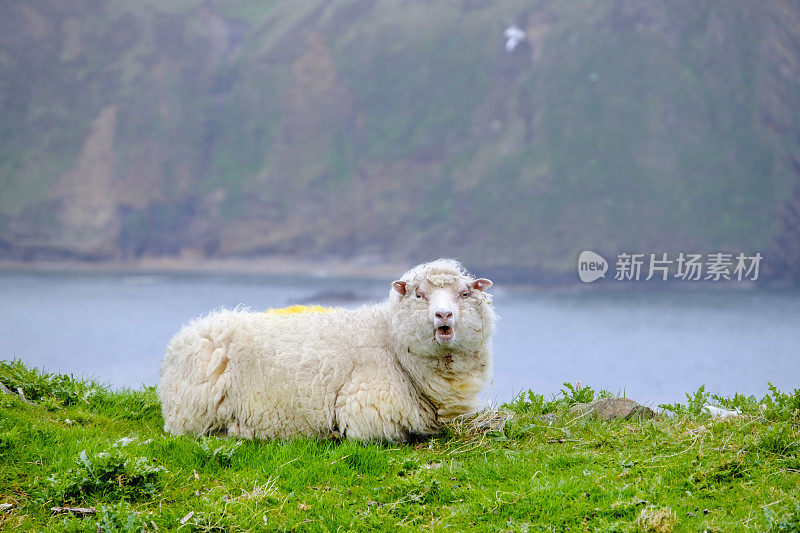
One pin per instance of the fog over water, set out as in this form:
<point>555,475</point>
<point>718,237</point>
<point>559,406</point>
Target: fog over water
<point>653,346</point>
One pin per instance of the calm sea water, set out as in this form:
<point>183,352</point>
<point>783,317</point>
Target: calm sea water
<point>653,346</point>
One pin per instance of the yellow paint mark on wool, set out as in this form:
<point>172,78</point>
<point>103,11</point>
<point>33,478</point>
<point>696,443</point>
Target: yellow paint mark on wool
<point>299,310</point>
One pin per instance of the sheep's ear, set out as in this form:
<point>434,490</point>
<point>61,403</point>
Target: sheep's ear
<point>482,284</point>
<point>400,286</point>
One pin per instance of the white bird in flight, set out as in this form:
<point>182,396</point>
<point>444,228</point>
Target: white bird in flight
<point>513,36</point>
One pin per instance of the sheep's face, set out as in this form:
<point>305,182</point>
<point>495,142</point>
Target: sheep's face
<point>443,311</point>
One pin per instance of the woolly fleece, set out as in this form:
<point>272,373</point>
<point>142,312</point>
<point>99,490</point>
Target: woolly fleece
<point>375,372</point>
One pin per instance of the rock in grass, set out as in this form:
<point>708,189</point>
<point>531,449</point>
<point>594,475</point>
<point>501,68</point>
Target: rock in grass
<point>612,408</point>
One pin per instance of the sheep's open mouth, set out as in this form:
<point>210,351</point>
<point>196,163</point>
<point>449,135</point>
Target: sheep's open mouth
<point>444,333</point>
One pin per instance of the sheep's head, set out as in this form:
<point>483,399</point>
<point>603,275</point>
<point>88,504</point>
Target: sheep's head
<point>439,307</point>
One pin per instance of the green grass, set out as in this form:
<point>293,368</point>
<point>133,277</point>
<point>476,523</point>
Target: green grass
<point>80,444</point>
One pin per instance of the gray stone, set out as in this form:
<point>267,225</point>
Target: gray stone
<point>612,409</point>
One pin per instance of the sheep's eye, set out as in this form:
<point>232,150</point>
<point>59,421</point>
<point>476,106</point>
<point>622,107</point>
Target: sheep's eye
<point>465,294</point>
<point>418,295</point>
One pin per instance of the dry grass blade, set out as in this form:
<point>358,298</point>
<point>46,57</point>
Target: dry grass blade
<point>259,492</point>
<point>656,519</point>
<point>479,424</point>
<point>74,510</point>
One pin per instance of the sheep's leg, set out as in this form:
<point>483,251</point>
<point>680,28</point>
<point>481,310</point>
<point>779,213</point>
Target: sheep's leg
<point>194,380</point>
<point>376,407</point>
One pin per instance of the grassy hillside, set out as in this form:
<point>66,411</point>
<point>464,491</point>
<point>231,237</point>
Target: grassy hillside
<point>77,444</point>
<point>395,129</point>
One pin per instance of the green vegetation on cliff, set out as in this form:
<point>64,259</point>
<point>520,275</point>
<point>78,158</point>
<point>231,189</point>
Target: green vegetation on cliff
<point>69,443</point>
<point>235,127</point>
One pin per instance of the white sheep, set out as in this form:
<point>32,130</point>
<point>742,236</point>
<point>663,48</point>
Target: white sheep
<point>387,371</point>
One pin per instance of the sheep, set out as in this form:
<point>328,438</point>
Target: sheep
<point>391,371</point>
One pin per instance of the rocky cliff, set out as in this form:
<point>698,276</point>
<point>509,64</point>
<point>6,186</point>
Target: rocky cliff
<point>401,130</point>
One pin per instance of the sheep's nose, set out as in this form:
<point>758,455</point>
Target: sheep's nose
<point>444,315</point>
